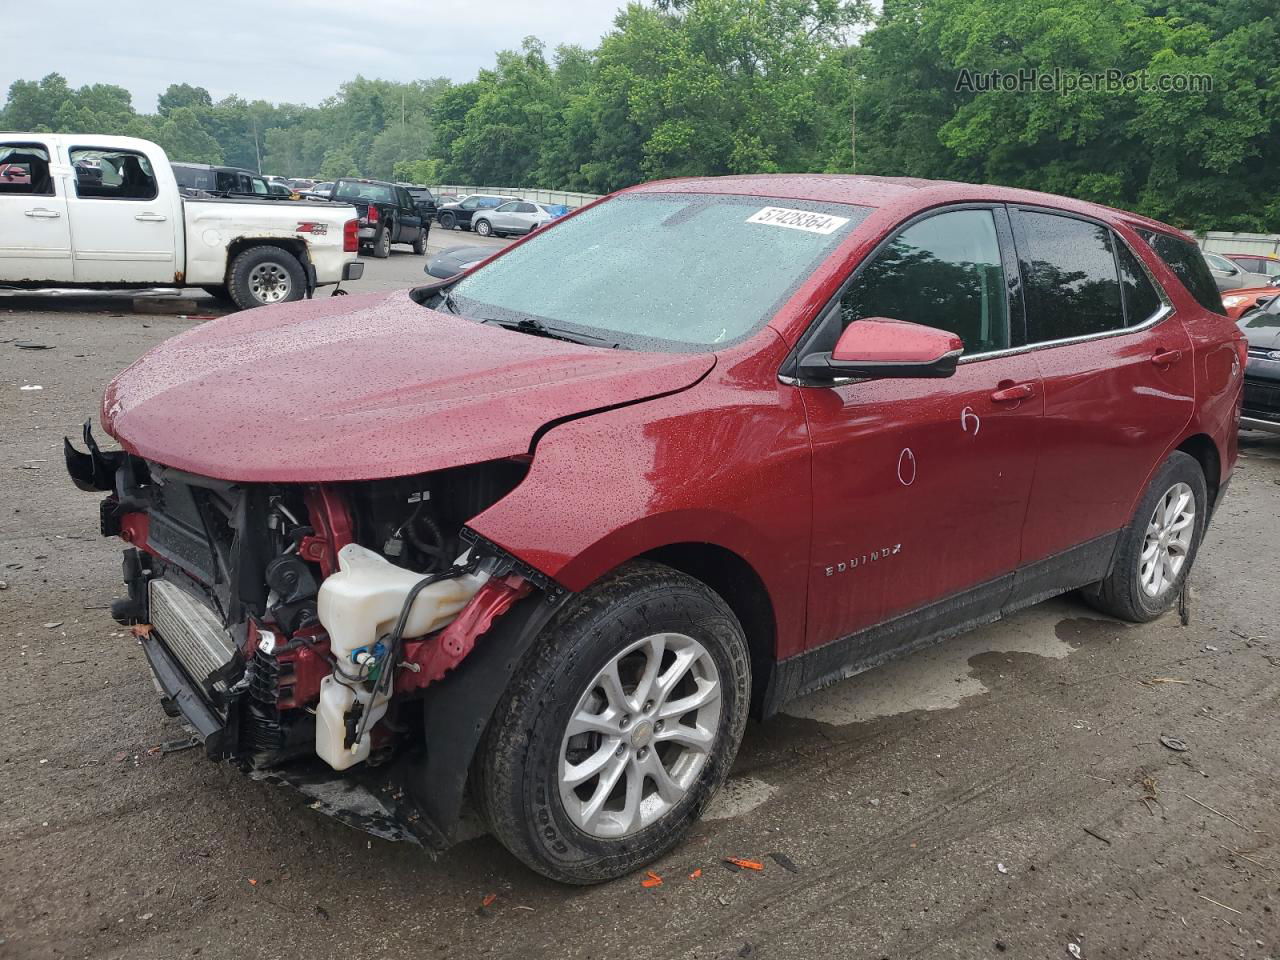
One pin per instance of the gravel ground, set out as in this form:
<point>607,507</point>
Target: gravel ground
<point>1005,794</point>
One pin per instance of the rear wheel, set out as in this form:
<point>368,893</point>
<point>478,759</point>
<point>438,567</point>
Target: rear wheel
<point>382,244</point>
<point>447,221</point>
<point>420,241</point>
<point>261,276</point>
<point>1158,546</point>
<point>618,728</point>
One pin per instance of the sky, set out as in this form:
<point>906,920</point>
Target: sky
<point>296,51</point>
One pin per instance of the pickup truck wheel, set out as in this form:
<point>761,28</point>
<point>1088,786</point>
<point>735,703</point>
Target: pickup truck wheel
<point>447,221</point>
<point>1158,546</point>
<point>618,728</point>
<point>382,244</point>
<point>264,275</point>
<point>482,228</point>
<point>420,242</point>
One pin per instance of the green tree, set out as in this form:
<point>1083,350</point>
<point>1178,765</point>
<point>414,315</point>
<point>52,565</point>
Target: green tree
<point>184,139</point>
<point>339,162</point>
<point>182,95</point>
<point>34,105</point>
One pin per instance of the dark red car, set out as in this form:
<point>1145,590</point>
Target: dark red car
<point>556,527</point>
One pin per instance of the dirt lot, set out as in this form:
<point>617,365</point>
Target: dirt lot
<point>1006,794</point>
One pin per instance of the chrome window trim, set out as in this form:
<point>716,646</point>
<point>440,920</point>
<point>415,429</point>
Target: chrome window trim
<point>1162,313</point>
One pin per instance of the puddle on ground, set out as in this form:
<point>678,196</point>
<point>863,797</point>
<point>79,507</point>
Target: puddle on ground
<point>739,795</point>
<point>939,678</point>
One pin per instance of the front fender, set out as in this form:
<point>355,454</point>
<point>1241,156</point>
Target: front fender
<point>725,463</point>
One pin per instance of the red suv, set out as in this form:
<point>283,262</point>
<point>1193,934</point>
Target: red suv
<point>556,527</point>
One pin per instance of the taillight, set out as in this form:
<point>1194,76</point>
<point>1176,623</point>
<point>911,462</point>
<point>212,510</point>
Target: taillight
<point>351,236</point>
<point>373,214</point>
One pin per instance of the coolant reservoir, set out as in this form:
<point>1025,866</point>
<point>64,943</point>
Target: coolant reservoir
<point>357,606</point>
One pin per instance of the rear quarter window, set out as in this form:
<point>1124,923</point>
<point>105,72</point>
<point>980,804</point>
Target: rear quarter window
<point>1186,261</point>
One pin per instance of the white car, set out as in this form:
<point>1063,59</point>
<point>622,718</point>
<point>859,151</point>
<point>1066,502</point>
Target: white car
<point>82,210</point>
<point>514,218</point>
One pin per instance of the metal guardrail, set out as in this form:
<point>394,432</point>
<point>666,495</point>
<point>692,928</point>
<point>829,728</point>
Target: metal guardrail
<point>567,198</point>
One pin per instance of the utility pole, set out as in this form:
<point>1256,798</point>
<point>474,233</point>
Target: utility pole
<point>853,136</point>
<point>256,148</point>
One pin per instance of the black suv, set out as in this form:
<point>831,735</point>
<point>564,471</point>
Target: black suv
<point>388,214</point>
<point>460,212</point>
<point>207,180</point>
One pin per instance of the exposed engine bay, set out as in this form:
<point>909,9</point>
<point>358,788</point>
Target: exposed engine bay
<point>291,621</point>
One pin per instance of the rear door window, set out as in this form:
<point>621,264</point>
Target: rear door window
<point>942,272</point>
<point>1183,257</point>
<point>1070,280</point>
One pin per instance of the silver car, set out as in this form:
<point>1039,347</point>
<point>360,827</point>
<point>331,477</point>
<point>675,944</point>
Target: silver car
<point>1231,276</point>
<point>516,217</point>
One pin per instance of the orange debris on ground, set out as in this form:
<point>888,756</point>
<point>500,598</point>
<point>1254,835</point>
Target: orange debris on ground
<point>745,864</point>
<point>651,879</point>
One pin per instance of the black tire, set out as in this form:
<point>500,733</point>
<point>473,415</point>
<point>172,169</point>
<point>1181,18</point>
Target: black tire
<point>517,785</point>
<point>420,241</point>
<point>482,227</point>
<point>382,244</point>
<point>242,282</point>
<point>1122,594</point>
<point>218,292</point>
<point>447,221</point>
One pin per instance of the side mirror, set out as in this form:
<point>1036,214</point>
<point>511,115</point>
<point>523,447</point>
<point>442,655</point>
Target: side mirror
<point>881,348</point>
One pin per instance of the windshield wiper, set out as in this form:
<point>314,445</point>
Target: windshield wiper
<point>539,329</point>
<point>447,301</point>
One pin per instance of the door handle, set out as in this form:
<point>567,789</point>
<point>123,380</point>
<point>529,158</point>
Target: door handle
<point>43,214</point>
<point>1020,391</point>
<point>150,218</point>
<point>1166,358</point>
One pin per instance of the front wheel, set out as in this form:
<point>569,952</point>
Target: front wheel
<point>1157,548</point>
<point>482,228</point>
<point>618,728</point>
<point>261,276</point>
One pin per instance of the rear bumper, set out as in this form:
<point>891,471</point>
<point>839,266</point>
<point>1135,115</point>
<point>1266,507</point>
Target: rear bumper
<point>1261,409</point>
<point>1259,423</point>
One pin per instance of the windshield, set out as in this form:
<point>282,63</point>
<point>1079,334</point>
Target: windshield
<point>662,271</point>
<point>376,192</point>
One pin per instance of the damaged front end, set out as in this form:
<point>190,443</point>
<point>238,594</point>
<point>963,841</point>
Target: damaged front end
<point>313,633</point>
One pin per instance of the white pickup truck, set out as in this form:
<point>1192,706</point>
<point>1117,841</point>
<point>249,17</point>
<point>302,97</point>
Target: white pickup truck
<point>81,210</point>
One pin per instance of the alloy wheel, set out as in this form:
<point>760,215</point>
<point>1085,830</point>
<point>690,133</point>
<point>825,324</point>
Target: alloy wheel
<point>1167,544</point>
<point>640,735</point>
<point>270,283</point>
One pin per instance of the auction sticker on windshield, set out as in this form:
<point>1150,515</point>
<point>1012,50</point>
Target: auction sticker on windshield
<point>798,219</point>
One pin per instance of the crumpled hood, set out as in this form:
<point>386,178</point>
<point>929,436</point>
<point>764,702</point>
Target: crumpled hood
<point>364,387</point>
